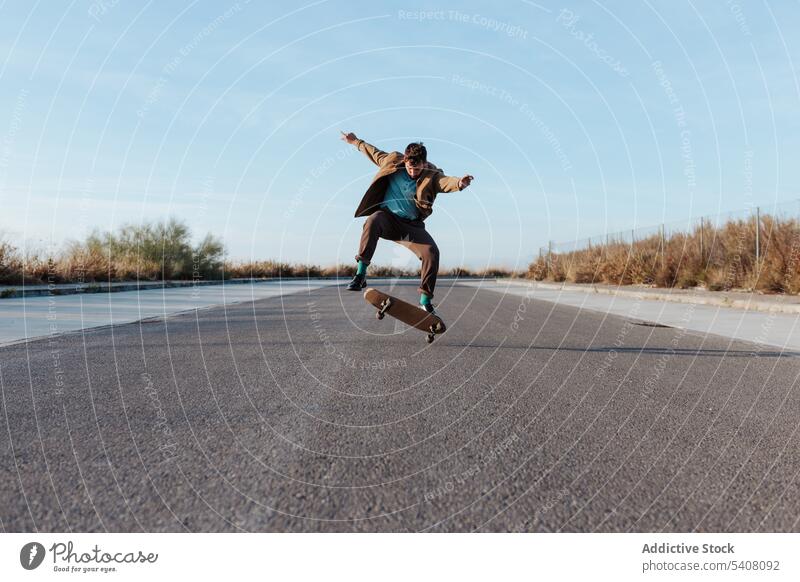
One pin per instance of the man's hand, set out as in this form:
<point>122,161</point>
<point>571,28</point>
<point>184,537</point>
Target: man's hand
<point>465,181</point>
<point>349,137</point>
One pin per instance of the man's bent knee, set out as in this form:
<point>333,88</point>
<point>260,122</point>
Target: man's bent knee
<point>429,254</point>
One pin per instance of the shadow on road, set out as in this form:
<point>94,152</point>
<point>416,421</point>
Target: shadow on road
<point>647,351</point>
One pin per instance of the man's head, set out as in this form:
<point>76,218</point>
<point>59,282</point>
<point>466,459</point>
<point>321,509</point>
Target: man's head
<point>415,157</point>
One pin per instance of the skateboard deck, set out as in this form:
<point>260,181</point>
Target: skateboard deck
<point>409,314</point>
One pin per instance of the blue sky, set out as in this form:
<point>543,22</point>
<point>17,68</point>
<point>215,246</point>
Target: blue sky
<point>576,118</point>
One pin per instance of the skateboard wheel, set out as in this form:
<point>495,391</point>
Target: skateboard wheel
<point>386,304</point>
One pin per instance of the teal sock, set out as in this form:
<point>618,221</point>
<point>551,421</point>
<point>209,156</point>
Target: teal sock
<point>424,299</point>
<point>362,268</point>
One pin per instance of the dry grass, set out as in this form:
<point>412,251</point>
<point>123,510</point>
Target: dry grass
<point>489,272</point>
<point>725,260</point>
<point>161,251</point>
<point>11,264</point>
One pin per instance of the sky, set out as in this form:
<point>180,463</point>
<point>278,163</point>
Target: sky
<point>576,118</point>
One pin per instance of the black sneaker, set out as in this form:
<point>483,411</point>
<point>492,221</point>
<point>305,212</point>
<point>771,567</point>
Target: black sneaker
<point>358,283</point>
<point>429,308</point>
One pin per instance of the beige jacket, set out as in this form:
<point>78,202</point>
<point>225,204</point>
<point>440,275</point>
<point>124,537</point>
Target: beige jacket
<point>431,181</point>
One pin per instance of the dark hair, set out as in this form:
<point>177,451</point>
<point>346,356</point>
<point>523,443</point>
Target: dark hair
<point>416,152</point>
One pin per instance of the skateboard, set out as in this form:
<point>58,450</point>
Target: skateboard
<point>409,314</point>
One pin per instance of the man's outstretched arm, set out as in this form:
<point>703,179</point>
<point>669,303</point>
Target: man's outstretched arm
<point>452,184</point>
<point>375,155</point>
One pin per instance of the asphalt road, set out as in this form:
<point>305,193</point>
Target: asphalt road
<point>305,413</point>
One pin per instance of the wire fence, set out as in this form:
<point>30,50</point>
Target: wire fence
<point>685,252</point>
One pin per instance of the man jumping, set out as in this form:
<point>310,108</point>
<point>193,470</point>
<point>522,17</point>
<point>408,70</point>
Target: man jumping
<point>397,202</point>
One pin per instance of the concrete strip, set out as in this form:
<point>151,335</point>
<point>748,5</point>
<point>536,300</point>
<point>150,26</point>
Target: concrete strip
<point>737,300</point>
<point>781,330</point>
<point>17,291</point>
<point>34,317</point>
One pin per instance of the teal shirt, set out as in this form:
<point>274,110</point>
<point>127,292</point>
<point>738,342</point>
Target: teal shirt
<point>400,194</point>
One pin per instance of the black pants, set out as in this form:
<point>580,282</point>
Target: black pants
<point>410,234</point>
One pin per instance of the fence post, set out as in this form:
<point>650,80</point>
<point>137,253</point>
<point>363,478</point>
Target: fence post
<point>758,236</point>
<point>541,258</point>
<point>702,246</point>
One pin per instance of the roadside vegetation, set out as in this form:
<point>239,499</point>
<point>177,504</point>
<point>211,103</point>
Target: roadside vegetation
<point>262,269</point>
<point>163,251</point>
<point>716,258</point>
<point>151,251</point>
